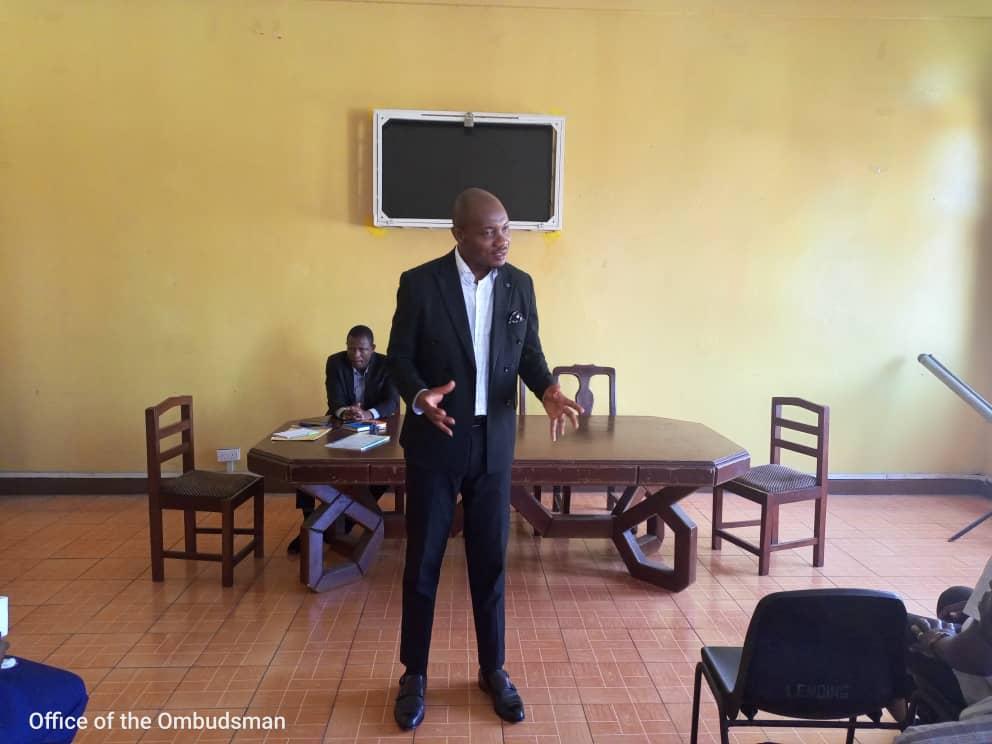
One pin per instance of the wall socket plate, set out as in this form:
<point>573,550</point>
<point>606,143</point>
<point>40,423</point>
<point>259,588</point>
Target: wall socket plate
<point>231,454</point>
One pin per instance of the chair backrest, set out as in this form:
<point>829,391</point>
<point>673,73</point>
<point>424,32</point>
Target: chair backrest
<point>583,373</point>
<point>155,433</point>
<point>823,653</point>
<point>819,431</point>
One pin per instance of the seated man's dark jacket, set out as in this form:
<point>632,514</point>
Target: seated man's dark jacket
<point>380,393</point>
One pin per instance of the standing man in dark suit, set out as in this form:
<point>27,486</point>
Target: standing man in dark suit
<point>358,389</point>
<point>465,326</point>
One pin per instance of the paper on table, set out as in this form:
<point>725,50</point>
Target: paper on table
<point>299,434</point>
<point>359,442</point>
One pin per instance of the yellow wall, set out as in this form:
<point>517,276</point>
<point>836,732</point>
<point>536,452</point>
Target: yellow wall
<point>760,198</point>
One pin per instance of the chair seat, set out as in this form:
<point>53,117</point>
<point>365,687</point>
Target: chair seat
<point>775,479</point>
<point>32,687</point>
<point>724,662</point>
<point>207,484</point>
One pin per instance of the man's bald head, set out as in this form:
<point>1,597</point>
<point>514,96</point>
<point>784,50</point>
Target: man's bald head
<point>470,202</point>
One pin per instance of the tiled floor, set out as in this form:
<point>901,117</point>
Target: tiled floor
<point>597,656</point>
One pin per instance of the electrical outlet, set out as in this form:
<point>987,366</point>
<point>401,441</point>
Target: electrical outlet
<point>232,454</point>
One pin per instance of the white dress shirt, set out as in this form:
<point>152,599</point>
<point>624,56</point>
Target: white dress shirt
<point>479,306</point>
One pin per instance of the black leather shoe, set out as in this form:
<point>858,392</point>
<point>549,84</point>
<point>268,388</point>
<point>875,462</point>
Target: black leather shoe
<point>409,709</point>
<point>506,700</point>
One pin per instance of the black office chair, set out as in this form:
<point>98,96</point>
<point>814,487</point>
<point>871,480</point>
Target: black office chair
<point>817,655</point>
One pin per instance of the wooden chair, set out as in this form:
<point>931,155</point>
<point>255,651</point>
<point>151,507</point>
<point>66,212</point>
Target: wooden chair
<point>772,485</point>
<point>584,373</point>
<point>196,491</point>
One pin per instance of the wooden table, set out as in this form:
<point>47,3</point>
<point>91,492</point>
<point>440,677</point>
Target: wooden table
<point>664,459</point>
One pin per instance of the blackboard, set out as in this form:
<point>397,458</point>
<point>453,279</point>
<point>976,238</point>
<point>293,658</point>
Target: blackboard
<point>424,163</point>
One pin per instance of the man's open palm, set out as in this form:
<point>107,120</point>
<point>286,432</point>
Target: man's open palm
<point>429,402</point>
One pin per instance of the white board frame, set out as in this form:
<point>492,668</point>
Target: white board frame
<point>381,116</point>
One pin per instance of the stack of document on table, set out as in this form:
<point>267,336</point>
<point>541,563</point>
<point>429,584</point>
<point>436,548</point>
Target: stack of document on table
<point>377,426</point>
<point>299,434</point>
<point>358,442</point>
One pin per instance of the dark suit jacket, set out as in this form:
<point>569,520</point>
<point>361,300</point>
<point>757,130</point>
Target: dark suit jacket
<point>430,343</point>
<point>380,393</point>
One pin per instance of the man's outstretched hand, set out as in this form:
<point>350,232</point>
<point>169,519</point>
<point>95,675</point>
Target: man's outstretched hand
<point>559,408</point>
<point>429,401</point>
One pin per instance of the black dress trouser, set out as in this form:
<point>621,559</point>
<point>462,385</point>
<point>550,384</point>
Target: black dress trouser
<point>430,508</point>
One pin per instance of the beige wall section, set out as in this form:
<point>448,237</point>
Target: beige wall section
<point>769,201</point>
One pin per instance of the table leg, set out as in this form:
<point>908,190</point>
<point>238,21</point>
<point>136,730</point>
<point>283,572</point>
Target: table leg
<point>312,571</point>
<point>657,509</point>
<point>312,537</point>
<point>533,511</point>
<point>663,505</point>
<point>651,541</point>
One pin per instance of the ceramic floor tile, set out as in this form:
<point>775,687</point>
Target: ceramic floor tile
<point>597,655</point>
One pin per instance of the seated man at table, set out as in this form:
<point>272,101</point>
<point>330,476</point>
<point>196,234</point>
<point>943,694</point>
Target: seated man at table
<point>358,389</point>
